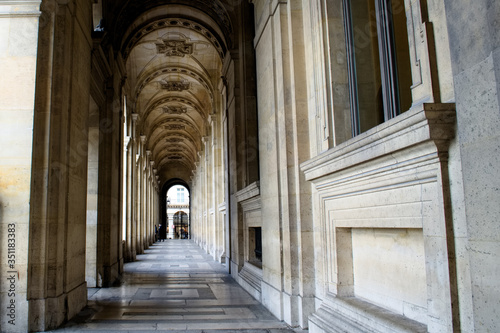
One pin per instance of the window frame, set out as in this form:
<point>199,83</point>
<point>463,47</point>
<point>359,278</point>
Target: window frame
<point>388,65</point>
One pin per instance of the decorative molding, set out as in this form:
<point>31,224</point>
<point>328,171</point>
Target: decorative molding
<point>174,109</point>
<point>175,70</point>
<point>174,150</point>
<point>391,177</point>
<point>175,22</point>
<point>428,122</point>
<point>174,140</point>
<point>252,275</point>
<point>335,317</point>
<point>251,204</point>
<point>252,190</point>
<point>175,85</point>
<point>174,127</point>
<point>169,99</point>
<point>178,48</point>
<point>20,9</point>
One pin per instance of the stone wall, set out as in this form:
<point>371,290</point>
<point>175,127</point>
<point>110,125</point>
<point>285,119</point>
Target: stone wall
<point>18,53</point>
<point>56,279</point>
<point>393,212</point>
<point>475,58</point>
<point>382,225</point>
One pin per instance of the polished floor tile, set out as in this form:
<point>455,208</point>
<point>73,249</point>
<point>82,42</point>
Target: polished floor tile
<point>174,287</point>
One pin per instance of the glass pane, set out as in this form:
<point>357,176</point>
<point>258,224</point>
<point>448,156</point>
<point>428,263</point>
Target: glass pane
<point>367,64</point>
<point>401,48</point>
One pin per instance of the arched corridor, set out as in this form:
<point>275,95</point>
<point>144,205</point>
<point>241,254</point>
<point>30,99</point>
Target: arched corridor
<point>338,160</point>
<point>175,287</point>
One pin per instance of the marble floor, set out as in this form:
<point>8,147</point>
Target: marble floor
<point>175,287</point>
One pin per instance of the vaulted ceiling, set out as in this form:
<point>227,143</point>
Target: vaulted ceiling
<point>174,54</point>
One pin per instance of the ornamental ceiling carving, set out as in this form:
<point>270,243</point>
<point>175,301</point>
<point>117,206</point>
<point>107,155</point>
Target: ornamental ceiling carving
<point>175,85</point>
<point>174,127</point>
<point>174,48</point>
<point>174,109</point>
<point>173,54</point>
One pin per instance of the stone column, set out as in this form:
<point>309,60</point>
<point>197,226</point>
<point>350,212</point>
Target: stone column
<point>128,204</point>
<point>56,269</point>
<point>150,211</point>
<point>108,217</point>
<point>157,198</point>
<point>157,204</point>
<point>133,192</point>
<point>285,196</point>
<point>218,177</point>
<point>475,55</point>
<point>92,199</point>
<point>18,58</point>
<point>152,199</point>
<point>147,221</point>
<point>141,179</point>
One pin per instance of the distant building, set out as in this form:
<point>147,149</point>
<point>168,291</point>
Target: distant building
<point>178,212</point>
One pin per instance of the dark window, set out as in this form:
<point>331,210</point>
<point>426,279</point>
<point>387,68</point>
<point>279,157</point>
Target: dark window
<point>258,243</point>
<point>255,246</point>
<point>378,61</point>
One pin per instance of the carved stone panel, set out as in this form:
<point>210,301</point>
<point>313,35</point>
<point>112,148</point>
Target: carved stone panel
<point>178,48</point>
<point>174,110</point>
<point>174,140</point>
<point>174,85</point>
<point>175,127</point>
<point>175,157</point>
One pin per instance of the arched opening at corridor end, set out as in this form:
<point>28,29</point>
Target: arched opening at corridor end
<point>175,209</point>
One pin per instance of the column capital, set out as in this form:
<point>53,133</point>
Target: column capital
<point>148,153</point>
<point>134,116</point>
<point>143,138</point>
